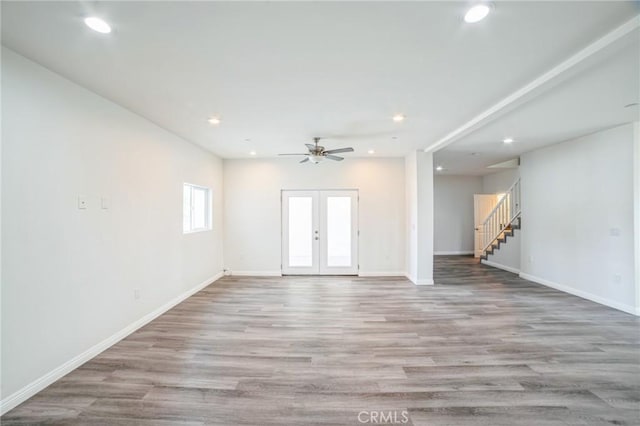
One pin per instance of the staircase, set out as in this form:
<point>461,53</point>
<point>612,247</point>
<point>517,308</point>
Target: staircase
<point>502,239</point>
<point>501,223</point>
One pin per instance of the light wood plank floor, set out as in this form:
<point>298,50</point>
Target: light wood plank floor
<point>481,348</point>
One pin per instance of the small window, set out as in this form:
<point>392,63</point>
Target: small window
<point>196,208</point>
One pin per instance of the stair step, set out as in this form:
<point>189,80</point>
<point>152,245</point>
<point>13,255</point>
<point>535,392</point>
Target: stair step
<point>509,231</point>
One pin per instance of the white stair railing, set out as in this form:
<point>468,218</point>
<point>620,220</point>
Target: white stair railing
<point>502,215</point>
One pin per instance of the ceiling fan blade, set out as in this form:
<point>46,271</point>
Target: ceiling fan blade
<point>334,157</point>
<point>305,160</point>
<point>293,154</point>
<point>339,150</point>
<point>311,146</point>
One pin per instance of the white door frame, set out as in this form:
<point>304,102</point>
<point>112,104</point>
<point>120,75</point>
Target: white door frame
<point>319,237</point>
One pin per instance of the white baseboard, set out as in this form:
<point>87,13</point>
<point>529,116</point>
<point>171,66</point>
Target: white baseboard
<point>453,253</point>
<point>381,274</point>
<point>417,281</point>
<point>585,295</point>
<point>39,384</point>
<point>501,266</point>
<point>256,273</point>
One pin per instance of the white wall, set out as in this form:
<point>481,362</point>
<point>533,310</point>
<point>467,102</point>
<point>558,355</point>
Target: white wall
<point>453,212</point>
<point>499,182</point>
<point>577,217</point>
<point>252,209</point>
<point>69,275</point>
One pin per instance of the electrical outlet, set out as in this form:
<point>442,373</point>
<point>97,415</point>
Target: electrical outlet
<point>530,259</point>
<point>136,293</point>
<point>617,278</point>
<point>82,202</point>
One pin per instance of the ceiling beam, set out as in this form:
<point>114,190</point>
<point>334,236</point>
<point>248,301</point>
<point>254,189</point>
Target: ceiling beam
<point>568,68</point>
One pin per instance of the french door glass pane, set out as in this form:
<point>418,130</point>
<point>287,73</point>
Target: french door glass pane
<point>199,208</point>
<point>300,231</point>
<point>338,231</point>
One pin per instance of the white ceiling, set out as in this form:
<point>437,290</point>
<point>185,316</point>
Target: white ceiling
<point>593,99</point>
<point>279,73</point>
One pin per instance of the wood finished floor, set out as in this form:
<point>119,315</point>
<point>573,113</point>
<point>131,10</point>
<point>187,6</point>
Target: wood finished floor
<point>483,347</point>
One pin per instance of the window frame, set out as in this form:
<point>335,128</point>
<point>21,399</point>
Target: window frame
<point>208,213</point>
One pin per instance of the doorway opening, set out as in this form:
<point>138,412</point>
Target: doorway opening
<point>483,205</point>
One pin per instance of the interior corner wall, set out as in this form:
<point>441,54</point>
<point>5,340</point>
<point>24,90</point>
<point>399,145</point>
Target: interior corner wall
<point>453,213</point>
<point>252,241</point>
<point>636,208</point>
<point>411,230</point>
<point>424,161</point>
<point>69,275</point>
<point>499,182</point>
<point>577,217</point>
<point>420,217</point>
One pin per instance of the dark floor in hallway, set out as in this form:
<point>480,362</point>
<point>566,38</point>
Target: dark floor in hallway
<point>482,347</point>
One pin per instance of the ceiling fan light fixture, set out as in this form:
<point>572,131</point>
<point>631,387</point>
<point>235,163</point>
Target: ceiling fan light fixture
<point>315,159</point>
<point>318,153</point>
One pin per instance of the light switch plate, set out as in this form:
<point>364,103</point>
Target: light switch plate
<point>104,203</point>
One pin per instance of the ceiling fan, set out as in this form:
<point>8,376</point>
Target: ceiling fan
<point>317,153</point>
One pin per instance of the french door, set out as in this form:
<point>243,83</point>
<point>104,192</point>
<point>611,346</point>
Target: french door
<point>320,232</point>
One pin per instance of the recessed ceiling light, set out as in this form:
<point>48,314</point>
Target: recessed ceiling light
<point>394,137</point>
<point>507,140</point>
<point>439,168</point>
<point>371,151</point>
<point>252,153</point>
<point>214,120</point>
<point>477,13</point>
<point>398,118</point>
<point>97,24</point>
